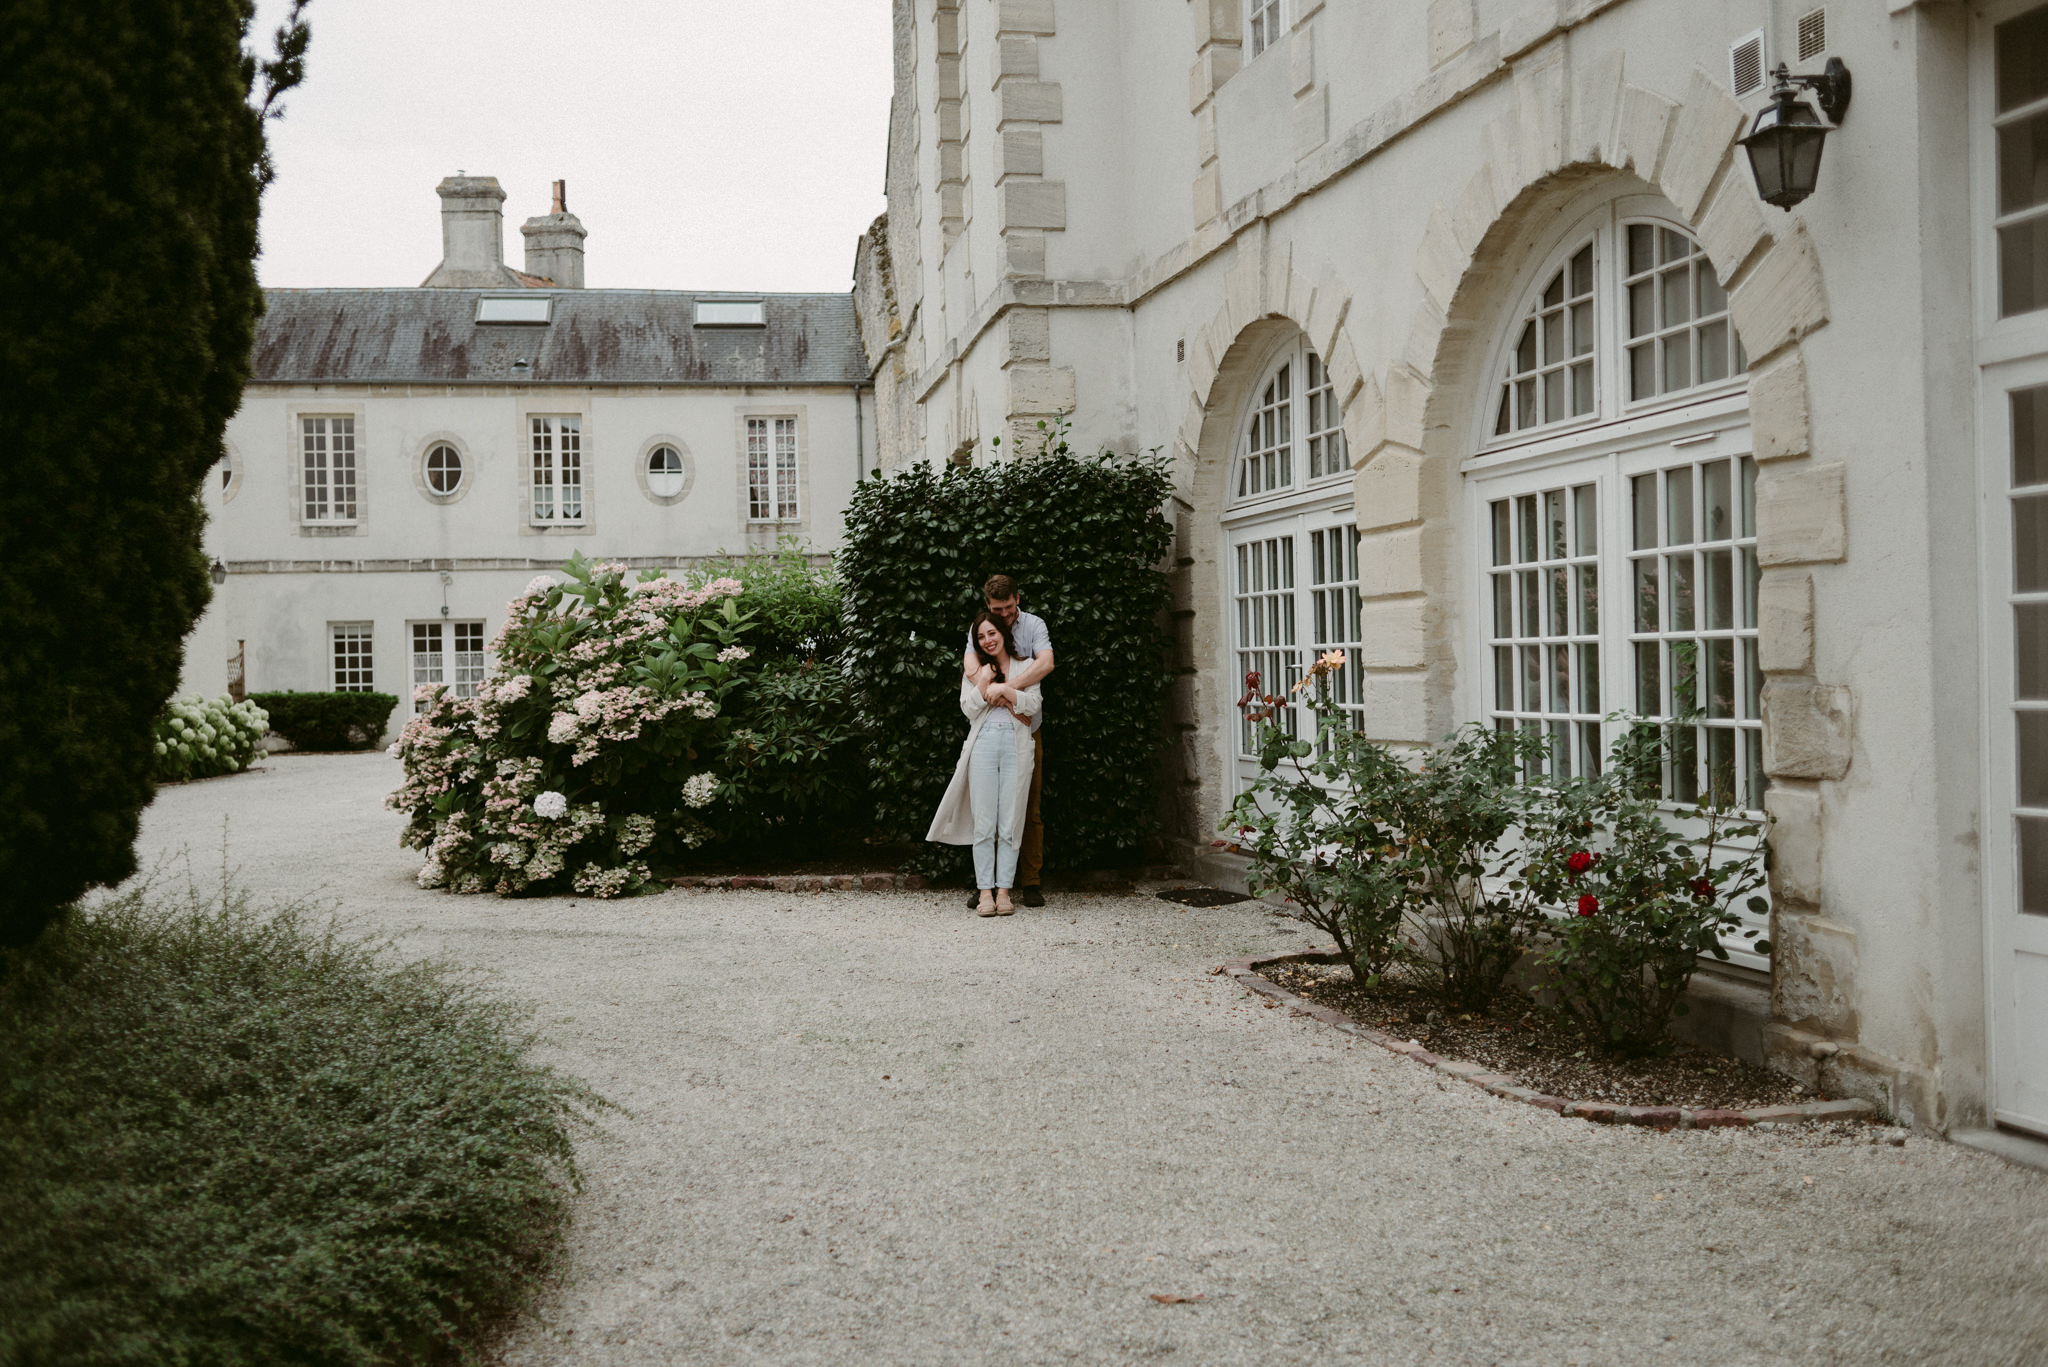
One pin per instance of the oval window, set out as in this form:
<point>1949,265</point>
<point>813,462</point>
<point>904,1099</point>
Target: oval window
<point>664,472</point>
<point>444,469</point>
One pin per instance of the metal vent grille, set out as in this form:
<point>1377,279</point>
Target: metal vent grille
<point>1813,34</point>
<point>1746,65</point>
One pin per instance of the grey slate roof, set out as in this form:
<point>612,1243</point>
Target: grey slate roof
<point>406,336</point>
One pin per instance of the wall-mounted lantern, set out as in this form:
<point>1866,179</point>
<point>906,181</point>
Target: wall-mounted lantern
<point>1784,143</point>
<point>219,572</point>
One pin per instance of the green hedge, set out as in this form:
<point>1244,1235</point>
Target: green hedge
<point>1084,538</point>
<point>328,721</point>
<point>232,1136</point>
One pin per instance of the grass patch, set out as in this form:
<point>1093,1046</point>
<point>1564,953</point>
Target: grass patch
<point>239,1138</point>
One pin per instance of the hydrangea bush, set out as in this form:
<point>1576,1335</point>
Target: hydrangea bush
<point>595,750</point>
<point>199,737</point>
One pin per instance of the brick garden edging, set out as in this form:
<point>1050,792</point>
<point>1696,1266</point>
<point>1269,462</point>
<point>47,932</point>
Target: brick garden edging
<point>1245,972</point>
<point>799,882</point>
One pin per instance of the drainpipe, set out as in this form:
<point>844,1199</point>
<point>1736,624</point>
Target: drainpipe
<point>860,452</point>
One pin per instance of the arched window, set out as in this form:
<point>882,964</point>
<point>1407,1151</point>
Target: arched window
<point>1292,574</point>
<point>1613,510</point>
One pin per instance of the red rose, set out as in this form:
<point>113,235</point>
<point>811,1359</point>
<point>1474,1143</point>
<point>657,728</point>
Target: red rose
<point>1588,904</point>
<point>1704,888</point>
<point>1579,862</point>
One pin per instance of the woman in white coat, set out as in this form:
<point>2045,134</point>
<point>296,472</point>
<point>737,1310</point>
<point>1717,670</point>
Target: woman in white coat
<point>984,805</point>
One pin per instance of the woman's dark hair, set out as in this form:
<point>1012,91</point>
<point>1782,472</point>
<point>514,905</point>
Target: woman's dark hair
<point>974,635</point>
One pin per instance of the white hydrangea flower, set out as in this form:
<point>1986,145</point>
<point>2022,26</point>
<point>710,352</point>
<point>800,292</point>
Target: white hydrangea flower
<point>551,806</point>
<point>562,727</point>
<point>541,584</point>
<point>733,653</point>
<point>699,789</point>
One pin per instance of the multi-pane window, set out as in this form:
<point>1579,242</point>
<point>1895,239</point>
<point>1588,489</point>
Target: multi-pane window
<point>2020,117</point>
<point>1293,432</point>
<point>664,471</point>
<point>444,469</point>
<point>1692,577</point>
<point>1549,375</point>
<point>1325,424</point>
<point>557,447</point>
<point>1269,443</point>
<point>1543,587</point>
<point>1262,24</point>
<point>1267,639</point>
<point>2029,600</point>
<point>449,654</point>
<point>771,470</point>
<point>1333,614</point>
<point>1679,334</point>
<point>349,648</point>
<point>327,450</point>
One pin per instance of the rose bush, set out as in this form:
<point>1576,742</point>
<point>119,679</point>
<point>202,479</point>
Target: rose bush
<point>199,737</point>
<point>1655,885</point>
<point>626,724</point>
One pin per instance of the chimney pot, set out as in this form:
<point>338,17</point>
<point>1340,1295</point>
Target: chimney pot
<point>561,204</point>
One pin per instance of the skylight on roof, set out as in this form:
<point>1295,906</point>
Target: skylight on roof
<point>515,308</point>
<point>731,313</point>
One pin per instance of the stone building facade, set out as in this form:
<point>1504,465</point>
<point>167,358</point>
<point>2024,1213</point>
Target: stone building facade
<point>405,461</point>
<point>1478,355</point>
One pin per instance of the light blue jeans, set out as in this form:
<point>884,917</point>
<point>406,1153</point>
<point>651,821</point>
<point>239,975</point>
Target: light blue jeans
<point>992,793</point>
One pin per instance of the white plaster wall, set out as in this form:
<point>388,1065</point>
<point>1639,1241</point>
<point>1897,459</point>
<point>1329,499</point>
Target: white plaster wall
<point>287,580</point>
<point>1888,383</point>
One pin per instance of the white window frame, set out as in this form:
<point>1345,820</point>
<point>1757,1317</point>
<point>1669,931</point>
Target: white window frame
<point>337,437</point>
<point>351,657</point>
<point>1264,23</point>
<point>1296,446</point>
<point>556,466</point>
<point>461,469</point>
<point>2012,354</point>
<point>437,657</point>
<point>772,462</point>
<point>1603,225</point>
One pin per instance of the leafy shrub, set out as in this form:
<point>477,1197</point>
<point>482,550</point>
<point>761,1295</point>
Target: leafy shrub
<point>135,166</point>
<point>1361,837</point>
<point>794,601</point>
<point>238,1137</point>
<point>328,721</point>
<point>1084,538</point>
<point>793,758</point>
<point>198,738</point>
<point>1642,901</point>
<point>596,748</point>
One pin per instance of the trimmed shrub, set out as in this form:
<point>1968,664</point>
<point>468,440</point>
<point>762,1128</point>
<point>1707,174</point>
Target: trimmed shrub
<point>233,1135</point>
<point>629,725</point>
<point>197,738</point>
<point>135,163</point>
<point>328,721</point>
<point>1084,538</point>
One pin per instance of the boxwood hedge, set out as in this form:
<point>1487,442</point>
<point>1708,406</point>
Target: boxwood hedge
<point>1085,539</point>
<point>328,721</point>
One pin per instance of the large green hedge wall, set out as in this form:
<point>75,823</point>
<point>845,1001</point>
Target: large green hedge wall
<point>134,165</point>
<point>1084,539</point>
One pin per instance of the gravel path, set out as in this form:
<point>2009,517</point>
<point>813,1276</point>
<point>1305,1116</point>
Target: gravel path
<point>872,1128</point>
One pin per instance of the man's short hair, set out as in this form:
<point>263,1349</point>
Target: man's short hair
<point>998,588</point>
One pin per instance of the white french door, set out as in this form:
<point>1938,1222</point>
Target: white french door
<point>1292,582</point>
<point>2013,424</point>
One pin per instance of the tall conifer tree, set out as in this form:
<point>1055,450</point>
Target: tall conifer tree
<point>133,167</point>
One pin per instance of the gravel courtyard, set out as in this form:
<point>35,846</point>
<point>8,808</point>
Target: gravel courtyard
<point>873,1128</point>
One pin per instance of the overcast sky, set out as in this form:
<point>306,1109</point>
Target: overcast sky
<point>732,146</point>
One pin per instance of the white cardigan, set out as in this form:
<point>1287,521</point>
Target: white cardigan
<point>954,824</point>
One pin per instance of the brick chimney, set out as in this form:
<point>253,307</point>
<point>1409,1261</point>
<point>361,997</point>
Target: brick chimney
<point>472,235</point>
<point>554,243</point>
